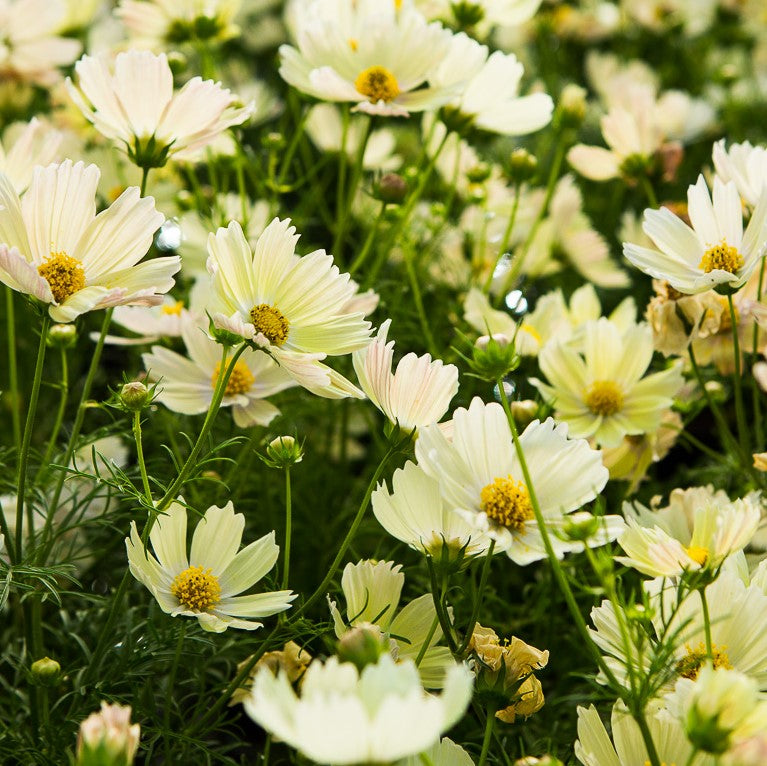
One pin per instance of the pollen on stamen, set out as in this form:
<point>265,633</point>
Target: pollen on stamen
<point>604,397</point>
<point>722,257</point>
<point>507,502</point>
<point>173,308</point>
<point>689,666</point>
<point>270,322</point>
<point>63,273</point>
<point>377,83</point>
<point>196,588</point>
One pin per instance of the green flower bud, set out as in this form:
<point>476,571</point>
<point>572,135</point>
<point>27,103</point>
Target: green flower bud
<point>362,645</point>
<point>391,188</point>
<point>522,165</point>
<point>283,452</point>
<point>62,336</point>
<point>494,357</point>
<point>134,396</point>
<point>46,671</point>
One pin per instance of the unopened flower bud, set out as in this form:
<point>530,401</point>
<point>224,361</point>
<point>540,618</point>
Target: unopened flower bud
<point>274,141</point>
<point>544,760</point>
<point>479,173</point>
<point>283,452</point>
<point>581,526</point>
<point>134,396</point>
<point>107,738</point>
<point>467,14</point>
<point>62,336</point>
<point>572,106</point>
<point>362,645</point>
<point>46,671</point>
<point>524,412</point>
<point>391,188</point>
<point>522,165</point>
<point>494,357</point>
<point>177,62</point>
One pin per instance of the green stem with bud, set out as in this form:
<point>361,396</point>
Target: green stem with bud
<point>737,381</point>
<point>478,598</point>
<point>490,712</point>
<point>140,456</point>
<point>288,530</point>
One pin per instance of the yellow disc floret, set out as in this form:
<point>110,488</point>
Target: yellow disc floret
<point>196,588</point>
<point>174,308</point>
<point>604,397</point>
<point>240,381</point>
<point>64,275</point>
<point>698,554</point>
<point>270,322</point>
<point>507,502</point>
<point>378,84</point>
<point>689,666</point>
<point>723,257</point>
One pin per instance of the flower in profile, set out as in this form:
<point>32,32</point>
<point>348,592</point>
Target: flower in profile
<point>714,252</point>
<point>718,528</point>
<point>480,477</point>
<point>206,584</point>
<point>292,659</point>
<point>108,737</point>
<point>157,23</point>
<point>595,747</point>
<point>293,308</point>
<point>348,716</point>
<point>372,592</point>
<point>136,104</point>
<point>743,164</point>
<point>186,384</point>
<point>604,393</point>
<point>375,55</point>
<point>415,512</point>
<point>23,147</point>
<point>55,248</point>
<point>417,393</point>
<point>32,48</point>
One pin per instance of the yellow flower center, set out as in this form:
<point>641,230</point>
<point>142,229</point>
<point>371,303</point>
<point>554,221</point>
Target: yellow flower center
<point>196,588</point>
<point>698,554</point>
<point>723,257</point>
<point>239,381</point>
<point>507,502</point>
<point>114,192</point>
<point>270,322</point>
<point>378,84</point>
<point>689,666</point>
<point>173,309</point>
<point>353,44</point>
<point>64,275</point>
<point>604,398</point>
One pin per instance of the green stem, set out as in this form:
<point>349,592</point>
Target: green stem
<point>740,413</point>
<point>144,179</point>
<point>706,622</point>
<point>649,191</point>
<point>298,132</point>
<point>489,723</point>
<point>76,427</point>
<point>63,394</point>
<point>438,596</point>
<point>13,369</point>
<point>506,237</point>
<point>756,392</point>
<point>478,598</point>
<point>363,254</point>
<point>320,591</point>
<point>21,483</point>
<point>288,530</point>
<point>415,288</point>
<point>140,457</point>
<point>215,404</point>
<point>427,641</point>
<point>169,687</point>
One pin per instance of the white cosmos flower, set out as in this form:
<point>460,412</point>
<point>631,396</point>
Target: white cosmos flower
<point>150,323</point>
<point>54,247</point>
<point>24,146</point>
<point>136,104</point>
<point>156,23</point>
<point>626,748</point>
<point>415,512</point>
<point>372,592</point>
<point>416,394</point>
<point>208,582</point>
<point>484,14</point>
<point>31,48</point>
<point>717,529</point>
<point>345,716</point>
<point>490,97</point>
<point>743,164</point>
<point>186,384</point>
<point>604,393</point>
<point>295,308</point>
<point>370,53</point>
<point>714,251</point>
<point>480,476</point>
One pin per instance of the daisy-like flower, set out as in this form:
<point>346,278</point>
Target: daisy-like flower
<point>156,23</point>
<point>372,54</point>
<point>345,716</point>
<point>23,147</point>
<point>372,592</point>
<point>416,394</point>
<point>206,584</point>
<point>626,748</point>
<point>187,384</point>
<point>480,477</point>
<point>714,252</point>
<point>292,307</point>
<point>743,164</point>
<point>151,323</point>
<point>603,393</point>
<point>136,104</point>
<point>697,531</point>
<point>480,15</point>
<point>54,247</point>
<point>490,98</point>
<point>32,49</point>
<point>415,512</point>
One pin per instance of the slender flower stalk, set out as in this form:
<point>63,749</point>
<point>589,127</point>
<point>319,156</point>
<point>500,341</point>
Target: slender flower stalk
<point>288,530</point>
